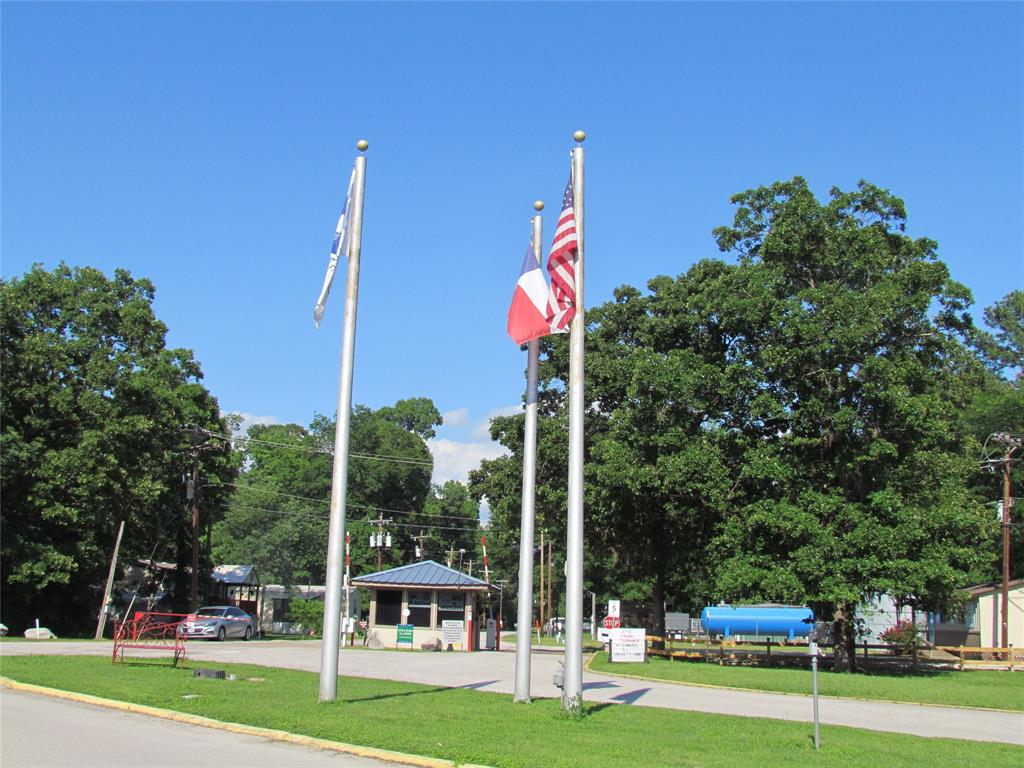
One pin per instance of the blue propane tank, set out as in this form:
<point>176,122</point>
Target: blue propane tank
<point>726,620</point>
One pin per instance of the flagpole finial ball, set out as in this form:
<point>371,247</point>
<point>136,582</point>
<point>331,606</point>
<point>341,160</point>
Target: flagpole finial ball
<point>538,205</point>
<point>362,145</point>
<point>579,136</point>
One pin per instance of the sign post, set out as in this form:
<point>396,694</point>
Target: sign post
<point>813,648</point>
<point>404,634</point>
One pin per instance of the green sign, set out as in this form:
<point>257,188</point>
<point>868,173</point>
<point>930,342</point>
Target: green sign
<point>404,633</point>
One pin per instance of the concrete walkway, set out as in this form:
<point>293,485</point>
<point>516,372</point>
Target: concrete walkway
<point>495,672</point>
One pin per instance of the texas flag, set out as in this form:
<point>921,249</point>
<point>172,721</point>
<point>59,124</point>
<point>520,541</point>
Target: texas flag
<point>527,318</point>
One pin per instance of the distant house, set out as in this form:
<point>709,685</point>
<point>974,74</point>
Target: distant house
<point>236,585</point>
<point>882,612</point>
<point>982,618</point>
<point>276,603</point>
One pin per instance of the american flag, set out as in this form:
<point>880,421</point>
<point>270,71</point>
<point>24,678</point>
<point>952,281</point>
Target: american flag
<point>562,266</point>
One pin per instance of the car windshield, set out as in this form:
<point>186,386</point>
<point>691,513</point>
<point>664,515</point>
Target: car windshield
<point>210,612</point>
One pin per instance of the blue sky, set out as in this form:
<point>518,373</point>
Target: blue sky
<point>208,146</point>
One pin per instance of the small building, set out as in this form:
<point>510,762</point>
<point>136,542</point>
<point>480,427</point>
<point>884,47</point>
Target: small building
<point>430,601</point>
<point>982,618</point>
<point>236,585</point>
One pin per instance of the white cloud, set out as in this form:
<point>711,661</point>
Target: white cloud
<point>456,417</point>
<point>249,420</point>
<point>482,431</point>
<point>453,459</point>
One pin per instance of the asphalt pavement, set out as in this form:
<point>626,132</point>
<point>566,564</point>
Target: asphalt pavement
<point>97,737</point>
<point>495,672</point>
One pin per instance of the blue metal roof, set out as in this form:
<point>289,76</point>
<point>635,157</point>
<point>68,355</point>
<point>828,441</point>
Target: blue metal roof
<point>426,573</point>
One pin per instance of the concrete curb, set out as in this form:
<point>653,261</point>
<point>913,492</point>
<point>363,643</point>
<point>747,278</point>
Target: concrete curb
<point>247,730</point>
<point>793,693</point>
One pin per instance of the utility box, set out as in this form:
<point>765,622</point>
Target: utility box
<point>492,635</point>
<point>677,625</point>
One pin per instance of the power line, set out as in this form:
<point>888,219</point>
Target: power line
<point>428,525</point>
<point>313,515</point>
<point>351,504</point>
<point>327,451</point>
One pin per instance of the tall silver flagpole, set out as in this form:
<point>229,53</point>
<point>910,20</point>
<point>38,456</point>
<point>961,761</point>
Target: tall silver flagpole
<point>572,689</point>
<point>524,619</point>
<point>339,475</point>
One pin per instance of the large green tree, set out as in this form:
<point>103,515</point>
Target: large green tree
<point>93,405</point>
<point>856,476</point>
<point>665,392</point>
<point>277,518</point>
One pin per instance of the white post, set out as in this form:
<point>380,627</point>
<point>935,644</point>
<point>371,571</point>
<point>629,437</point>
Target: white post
<point>524,618</point>
<point>339,475</point>
<point>813,648</point>
<point>101,620</point>
<point>572,690</point>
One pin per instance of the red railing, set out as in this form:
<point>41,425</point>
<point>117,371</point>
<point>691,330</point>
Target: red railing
<point>150,631</point>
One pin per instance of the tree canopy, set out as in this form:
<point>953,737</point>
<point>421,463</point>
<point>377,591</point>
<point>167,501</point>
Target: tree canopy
<point>277,518</point>
<point>93,408</point>
<point>856,473</point>
<point>787,427</point>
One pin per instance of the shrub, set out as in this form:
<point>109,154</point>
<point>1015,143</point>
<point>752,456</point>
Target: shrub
<point>902,636</point>
<point>308,613</point>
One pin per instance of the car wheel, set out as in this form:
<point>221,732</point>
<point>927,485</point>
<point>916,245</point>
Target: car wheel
<point>248,634</point>
<point>221,634</point>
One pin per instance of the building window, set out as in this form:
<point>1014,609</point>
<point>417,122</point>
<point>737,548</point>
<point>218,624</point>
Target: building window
<point>389,607</point>
<point>971,615</point>
<point>419,608</point>
<point>282,609</point>
<point>451,606</point>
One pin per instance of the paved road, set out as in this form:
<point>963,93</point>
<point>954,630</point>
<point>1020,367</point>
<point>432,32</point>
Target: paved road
<point>98,737</point>
<point>496,672</point>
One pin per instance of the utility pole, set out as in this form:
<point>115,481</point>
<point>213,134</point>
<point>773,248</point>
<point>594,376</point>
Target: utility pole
<point>378,540</point>
<point>101,620</point>
<point>469,565</point>
<point>200,443</point>
<point>451,555</point>
<point>419,543</point>
<point>1011,444</point>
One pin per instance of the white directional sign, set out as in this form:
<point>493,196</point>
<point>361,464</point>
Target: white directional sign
<point>628,644</point>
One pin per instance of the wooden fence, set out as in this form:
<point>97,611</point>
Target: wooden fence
<point>725,652</point>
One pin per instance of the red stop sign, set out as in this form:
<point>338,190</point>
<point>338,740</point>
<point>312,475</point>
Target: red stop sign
<point>611,622</point>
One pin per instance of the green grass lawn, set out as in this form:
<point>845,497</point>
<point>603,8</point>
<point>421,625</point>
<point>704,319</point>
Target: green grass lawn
<point>995,690</point>
<point>471,726</point>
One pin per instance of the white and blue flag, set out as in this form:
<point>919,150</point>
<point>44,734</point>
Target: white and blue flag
<point>339,248</point>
